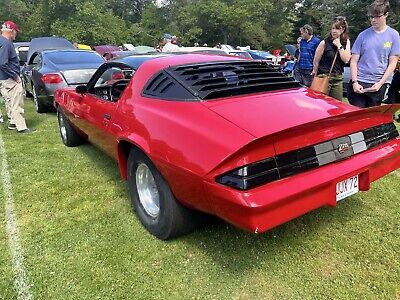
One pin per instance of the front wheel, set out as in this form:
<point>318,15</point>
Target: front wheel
<point>68,134</point>
<point>153,201</point>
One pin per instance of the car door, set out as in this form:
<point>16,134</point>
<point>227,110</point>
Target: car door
<point>96,108</point>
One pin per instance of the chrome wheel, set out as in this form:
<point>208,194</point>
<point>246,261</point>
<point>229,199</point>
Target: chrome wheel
<point>147,190</point>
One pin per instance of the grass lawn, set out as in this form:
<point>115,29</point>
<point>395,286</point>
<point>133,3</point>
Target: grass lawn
<point>81,240</point>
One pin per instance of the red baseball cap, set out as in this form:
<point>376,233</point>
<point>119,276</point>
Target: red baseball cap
<point>11,25</point>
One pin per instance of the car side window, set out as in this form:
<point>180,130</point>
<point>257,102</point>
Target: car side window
<point>37,60</point>
<point>111,84</point>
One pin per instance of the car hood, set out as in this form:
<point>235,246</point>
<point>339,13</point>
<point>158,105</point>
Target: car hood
<point>269,113</point>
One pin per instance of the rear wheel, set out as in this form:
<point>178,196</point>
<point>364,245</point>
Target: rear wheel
<point>68,134</point>
<point>153,201</point>
<point>40,107</point>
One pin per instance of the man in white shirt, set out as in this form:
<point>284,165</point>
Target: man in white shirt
<point>168,45</point>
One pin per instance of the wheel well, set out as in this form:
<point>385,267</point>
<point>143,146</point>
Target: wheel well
<point>124,148</point>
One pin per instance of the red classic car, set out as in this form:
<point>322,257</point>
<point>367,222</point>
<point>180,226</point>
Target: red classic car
<point>235,138</point>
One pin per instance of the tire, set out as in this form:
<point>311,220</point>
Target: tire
<point>40,107</point>
<point>153,201</point>
<point>68,134</point>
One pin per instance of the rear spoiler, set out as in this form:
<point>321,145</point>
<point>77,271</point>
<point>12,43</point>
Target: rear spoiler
<point>383,114</point>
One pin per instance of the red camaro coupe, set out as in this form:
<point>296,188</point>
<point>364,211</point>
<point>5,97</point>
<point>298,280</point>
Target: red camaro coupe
<point>234,138</point>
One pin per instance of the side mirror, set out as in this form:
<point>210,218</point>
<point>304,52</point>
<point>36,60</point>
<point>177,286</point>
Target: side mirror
<point>81,89</point>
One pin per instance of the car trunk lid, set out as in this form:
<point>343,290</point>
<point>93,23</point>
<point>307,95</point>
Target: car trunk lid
<point>269,113</point>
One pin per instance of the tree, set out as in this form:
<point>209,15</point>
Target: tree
<point>84,21</point>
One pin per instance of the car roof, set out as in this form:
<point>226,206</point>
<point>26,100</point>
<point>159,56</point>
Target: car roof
<point>163,60</point>
<point>200,49</point>
<point>136,60</point>
<point>60,51</point>
<point>69,50</point>
<point>103,49</point>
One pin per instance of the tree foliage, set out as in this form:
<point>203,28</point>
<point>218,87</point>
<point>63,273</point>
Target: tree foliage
<point>258,23</point>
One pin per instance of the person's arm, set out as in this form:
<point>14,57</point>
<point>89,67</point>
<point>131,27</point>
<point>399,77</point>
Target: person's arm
<point>317,57</point>
<point>353,69</point>
<point>5,55</point>
<point>389,71</point>
<point>344,54</point>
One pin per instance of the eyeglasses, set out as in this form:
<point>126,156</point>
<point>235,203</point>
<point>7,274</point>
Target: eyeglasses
<point>376,17</point>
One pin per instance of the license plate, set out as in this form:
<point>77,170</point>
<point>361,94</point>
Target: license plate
<point>346,188</point>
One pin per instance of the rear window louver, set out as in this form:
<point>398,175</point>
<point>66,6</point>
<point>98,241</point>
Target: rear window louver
<point>163,86</point>
<point>219,79</point>
<point>160,84</point>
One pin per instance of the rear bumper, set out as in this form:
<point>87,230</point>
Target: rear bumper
<point>268,206</point>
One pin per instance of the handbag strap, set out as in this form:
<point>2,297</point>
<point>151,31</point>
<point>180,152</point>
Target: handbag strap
<point>333,63</point>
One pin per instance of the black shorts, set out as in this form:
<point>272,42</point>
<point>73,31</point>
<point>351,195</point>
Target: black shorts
<point>366,99</point>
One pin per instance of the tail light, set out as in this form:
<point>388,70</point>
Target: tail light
<point>52,78</point>
<point>304,159</point>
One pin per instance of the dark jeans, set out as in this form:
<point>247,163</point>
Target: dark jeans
<point>303,76</point>
<point>394,89</point>
<point>366,99</point>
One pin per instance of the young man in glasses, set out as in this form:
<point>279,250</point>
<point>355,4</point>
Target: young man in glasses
<point>374,57</point>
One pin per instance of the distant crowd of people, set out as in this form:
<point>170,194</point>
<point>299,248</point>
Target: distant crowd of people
<point>373,59</point>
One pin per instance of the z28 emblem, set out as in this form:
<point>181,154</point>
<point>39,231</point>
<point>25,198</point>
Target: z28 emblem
<point>343,147</point>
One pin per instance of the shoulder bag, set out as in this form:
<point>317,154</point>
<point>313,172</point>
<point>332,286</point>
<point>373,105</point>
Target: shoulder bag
<point>320,83</point>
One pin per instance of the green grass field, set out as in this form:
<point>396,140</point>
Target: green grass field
<point>80,239</point>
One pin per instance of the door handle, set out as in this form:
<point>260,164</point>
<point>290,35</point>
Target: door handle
<point>107,116</point>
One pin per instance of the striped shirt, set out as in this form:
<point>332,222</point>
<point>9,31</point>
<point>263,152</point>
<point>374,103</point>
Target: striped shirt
<point>307,52</point>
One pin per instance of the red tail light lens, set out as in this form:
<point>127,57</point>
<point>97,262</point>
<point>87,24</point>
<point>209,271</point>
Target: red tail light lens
<point>52,78</point>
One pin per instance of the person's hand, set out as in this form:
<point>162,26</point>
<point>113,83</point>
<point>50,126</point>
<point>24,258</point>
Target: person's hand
<point>376,87</point>
<point>337,43</point>
<point>18,79</point>
<point>358,88</point>
<point>313,73</point>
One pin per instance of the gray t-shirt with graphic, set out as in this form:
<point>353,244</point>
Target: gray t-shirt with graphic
<point>374,49</point>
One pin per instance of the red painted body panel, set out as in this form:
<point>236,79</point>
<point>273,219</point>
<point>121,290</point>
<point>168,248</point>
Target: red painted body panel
<point>270,205</point>
<point>191,143</point>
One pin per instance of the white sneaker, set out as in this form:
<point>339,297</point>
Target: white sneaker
<point>1,119</point>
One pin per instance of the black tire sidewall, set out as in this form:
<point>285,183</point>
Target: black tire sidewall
<point>160,226</point>
<point>72,137</point>
<point>40,107</point>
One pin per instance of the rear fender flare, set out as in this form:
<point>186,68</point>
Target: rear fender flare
<point>124,147</point>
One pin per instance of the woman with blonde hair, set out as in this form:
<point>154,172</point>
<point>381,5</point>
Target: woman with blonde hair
<point>333,53</point>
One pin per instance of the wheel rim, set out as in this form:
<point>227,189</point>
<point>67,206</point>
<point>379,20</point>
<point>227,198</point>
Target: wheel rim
<point>63,130</point>
<point>147,189</point>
